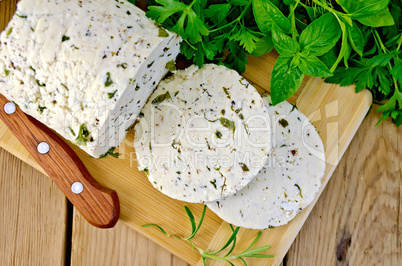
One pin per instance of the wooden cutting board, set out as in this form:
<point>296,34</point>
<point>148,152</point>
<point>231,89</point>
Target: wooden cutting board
<point>336,112</point>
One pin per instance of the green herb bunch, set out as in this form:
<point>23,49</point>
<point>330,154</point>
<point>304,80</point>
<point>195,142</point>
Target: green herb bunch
<point>213,31</point>
<point>345,41</point>
<point>249,252</point>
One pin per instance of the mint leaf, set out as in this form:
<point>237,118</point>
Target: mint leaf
<point>381,19</point>
<point>345,51</point>
<point>285,79</point>
<point>313,66</point>
<point>321,35</point>
<point>367,8</point>
<point>267,14</point>
<point>373,13</point>
<point>283,44</point>
<point>356,39</point>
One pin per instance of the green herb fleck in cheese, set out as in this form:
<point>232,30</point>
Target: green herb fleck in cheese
<point>65,38</point>
<point>228,124</point>
<point>111,94</point>
<point>171,66</point>
<point>83,135</point>
<point>163,33</point>
<point>108,81</point>
<point>160,98</point>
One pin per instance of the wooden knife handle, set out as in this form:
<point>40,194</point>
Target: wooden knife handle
<point>99,205</point>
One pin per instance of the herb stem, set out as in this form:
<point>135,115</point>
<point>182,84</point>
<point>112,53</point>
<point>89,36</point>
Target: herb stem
<point>328,8</point>
<point>237,20</point>
<point>190,6</point>
<point>325,6</point>
<point>378,103</point>
<point>293,20</point>
<point>399,43</point>
<point>224,26</point>
<point>385,50</point>
<point>244,11</point>
<point>206,255</point>
<point>255,253</point>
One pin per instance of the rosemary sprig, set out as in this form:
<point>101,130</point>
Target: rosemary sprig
<point>249,252</point>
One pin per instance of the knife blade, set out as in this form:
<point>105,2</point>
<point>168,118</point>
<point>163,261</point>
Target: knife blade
<point>99,205</point>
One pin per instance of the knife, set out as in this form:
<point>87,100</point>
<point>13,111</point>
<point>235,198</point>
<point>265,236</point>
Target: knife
<point>99,205</point>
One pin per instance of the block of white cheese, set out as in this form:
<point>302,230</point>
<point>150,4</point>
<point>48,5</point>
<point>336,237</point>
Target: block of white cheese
<point>204,134</point>
<point>83,68</point>
<point>290,180</point>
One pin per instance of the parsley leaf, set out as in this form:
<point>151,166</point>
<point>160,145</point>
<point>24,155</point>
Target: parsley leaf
<point>189,25</point>
<point>247,39</point>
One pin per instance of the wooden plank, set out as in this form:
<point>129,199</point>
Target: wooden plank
<point>357,221</point>
<point>117,246</point>
<point>34,213</point>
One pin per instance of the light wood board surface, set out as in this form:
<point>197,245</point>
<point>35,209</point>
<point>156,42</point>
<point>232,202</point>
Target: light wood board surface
<point>33,216</point>
<point>142,204</point>
<point>33,209</point>
<point>358,219</point>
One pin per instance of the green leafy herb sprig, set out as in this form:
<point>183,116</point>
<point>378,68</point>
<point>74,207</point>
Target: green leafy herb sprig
<point>344,41</point>
<point>212,30</point>
<point>249,252</point>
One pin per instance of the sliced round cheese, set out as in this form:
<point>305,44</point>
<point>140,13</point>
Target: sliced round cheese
<point>205,134</point>
<point>290,180</point>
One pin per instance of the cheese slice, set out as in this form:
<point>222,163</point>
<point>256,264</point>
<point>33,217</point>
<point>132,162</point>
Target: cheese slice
<point>83,68</point>
<point>290,180</point>
<point>204,135</point>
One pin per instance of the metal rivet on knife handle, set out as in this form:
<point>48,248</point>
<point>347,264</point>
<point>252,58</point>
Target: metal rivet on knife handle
<point>77,188</point>
<point>9,108</point>
<point>43,148</point>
